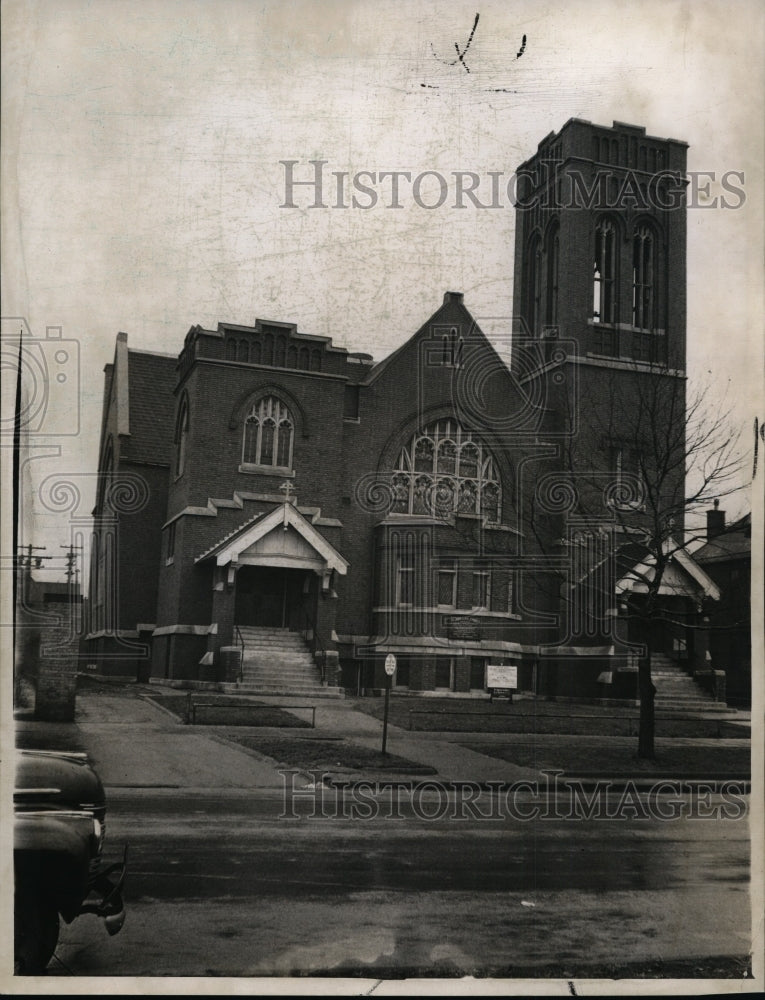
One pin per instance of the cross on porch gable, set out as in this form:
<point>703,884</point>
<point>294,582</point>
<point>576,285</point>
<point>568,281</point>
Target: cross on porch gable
<point>288,490</point>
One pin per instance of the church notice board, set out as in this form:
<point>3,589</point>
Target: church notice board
<point>463,627</point>
<point>501,680</point>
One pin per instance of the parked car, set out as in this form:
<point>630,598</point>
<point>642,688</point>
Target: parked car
<point>59,828</point>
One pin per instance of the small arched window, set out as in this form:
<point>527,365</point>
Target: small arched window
<point>181,436</point>
<point>268,434</point>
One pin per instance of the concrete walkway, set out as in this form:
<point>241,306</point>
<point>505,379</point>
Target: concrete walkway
<point>136,744</point>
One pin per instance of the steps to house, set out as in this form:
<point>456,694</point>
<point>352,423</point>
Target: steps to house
<point>677,689</point>
<point>279,662</point>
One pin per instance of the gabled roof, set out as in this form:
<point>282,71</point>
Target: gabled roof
<point>282,518</point>
<point>690,581</point>
<point>151,407</point>
<point>452,310</point>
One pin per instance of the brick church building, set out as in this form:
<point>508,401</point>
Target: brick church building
<point>277,513</point>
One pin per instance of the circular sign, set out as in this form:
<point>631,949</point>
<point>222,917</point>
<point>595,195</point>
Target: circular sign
<point>390,664</point>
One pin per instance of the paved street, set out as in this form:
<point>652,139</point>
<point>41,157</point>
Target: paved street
<point>226,885</point>
<point>239,869</point>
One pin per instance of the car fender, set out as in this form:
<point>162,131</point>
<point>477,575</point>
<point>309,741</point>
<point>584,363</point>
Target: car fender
<point>52,853</point>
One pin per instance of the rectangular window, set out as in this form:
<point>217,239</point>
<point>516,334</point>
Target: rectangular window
<point>481,589</point>
<point>510,597</point>
<point>446,584</point>
<point>477,673</point>
<point>351,403</point>
<point>625,467</point>
<point>444,672</point>
<point>401,677</point>
<point>624,463</point>
<point>170,542</point>
<point>405,583</point>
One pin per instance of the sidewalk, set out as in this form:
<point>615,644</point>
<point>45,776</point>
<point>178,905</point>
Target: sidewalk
<point>136,744</point>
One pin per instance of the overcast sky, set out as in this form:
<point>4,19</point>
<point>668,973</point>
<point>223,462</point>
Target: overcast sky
<point>142,181</point>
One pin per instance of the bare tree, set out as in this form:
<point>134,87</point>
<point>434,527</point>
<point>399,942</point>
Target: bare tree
<point>647,464</point>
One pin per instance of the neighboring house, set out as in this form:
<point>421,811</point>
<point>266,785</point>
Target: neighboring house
<point>727,558</point>
<point>131,502</point>
<point>275,483</point>
<point>48,629</point>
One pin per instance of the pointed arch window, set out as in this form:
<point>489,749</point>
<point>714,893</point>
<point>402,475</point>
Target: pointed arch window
<point>604,274</point>
<point>534,283</point>
<point>268,434</point>
<point>643,283</point>
<point>553,255</point>
<point>445,470</point>
<point>181,436</point>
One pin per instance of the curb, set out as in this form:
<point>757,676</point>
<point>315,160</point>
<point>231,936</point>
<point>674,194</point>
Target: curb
<point>660,785</point>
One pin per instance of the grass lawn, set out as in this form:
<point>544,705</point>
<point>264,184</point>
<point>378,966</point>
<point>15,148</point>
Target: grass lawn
<point>534,716</point>
<point>330,754</point>
<point>230,711</point>
<point>619,760</point>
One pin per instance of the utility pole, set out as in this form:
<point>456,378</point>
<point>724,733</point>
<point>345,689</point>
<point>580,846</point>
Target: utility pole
<point>25,561</point>
<point>72,569</point>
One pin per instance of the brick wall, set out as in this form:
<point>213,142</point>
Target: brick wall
<point>57,668</point>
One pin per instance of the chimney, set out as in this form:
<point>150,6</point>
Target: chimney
<point>715,522</point>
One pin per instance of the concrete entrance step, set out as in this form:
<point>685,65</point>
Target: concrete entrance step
<point>685,706</point>
<point>278,662</point>
<point>305,691</point>
<point>273,677</point>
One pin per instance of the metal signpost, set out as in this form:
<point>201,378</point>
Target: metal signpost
<point>390,669</point>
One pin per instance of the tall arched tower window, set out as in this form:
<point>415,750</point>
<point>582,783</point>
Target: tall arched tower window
<point>643,278</point>
<point>553,256</point>
<point>444,470</point>
<point>534,283</point>
<point>605,269</point>
<point>181,436</point>
<point>268,434</point>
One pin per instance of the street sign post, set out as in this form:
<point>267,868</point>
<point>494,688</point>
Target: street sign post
<point>390,669</point>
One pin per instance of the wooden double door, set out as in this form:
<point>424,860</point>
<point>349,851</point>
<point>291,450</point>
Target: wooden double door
<point>272,596</point>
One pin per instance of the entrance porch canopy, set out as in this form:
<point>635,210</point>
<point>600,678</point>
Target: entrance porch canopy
<point>281,537</point>
<point>683,577</point>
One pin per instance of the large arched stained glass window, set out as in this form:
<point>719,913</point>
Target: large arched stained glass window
<point>444,470</point>
<point>268,433</point>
